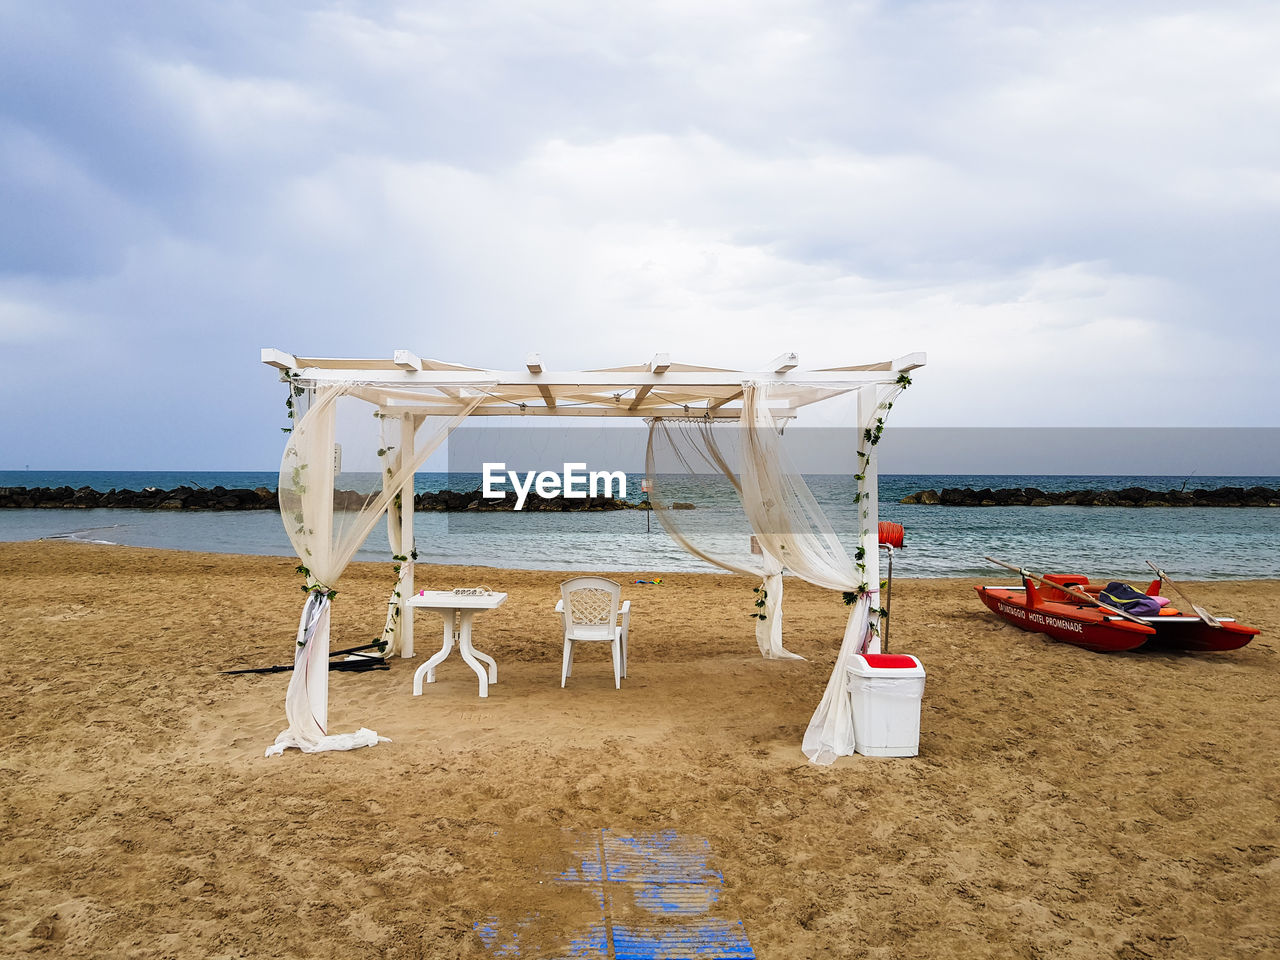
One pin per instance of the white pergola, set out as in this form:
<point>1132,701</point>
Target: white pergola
<point>409,388</point>
<point>659,388</point>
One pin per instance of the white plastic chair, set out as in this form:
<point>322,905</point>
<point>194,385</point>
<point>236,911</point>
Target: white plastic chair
<point>589,609</point>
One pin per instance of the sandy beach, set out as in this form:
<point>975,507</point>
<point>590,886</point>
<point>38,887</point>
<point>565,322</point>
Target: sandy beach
<point>1065,804</point>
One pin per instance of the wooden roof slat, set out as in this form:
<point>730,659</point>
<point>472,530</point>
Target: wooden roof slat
<point>659,387</point>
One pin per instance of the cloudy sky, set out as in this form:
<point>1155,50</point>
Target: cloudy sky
<point>1072,207</point>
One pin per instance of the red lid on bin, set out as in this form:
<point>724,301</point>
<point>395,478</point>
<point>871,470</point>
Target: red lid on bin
<point>889,661</point>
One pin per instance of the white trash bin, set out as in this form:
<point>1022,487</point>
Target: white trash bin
<point>886,690</point>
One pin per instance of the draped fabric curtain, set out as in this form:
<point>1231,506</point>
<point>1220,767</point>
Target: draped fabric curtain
<point>339,475</point>
<point>332,492</point>
<point>792,526</point>
<point>690,447</point>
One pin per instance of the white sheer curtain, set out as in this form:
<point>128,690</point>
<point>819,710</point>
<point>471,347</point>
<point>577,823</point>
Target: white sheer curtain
<point>680,449</point>
<point>791,525</point>
<point>334,486</point>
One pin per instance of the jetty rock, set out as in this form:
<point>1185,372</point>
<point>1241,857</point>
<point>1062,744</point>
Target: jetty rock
<point>447,501</point>
<point>1128,497</point>
<point>149,498</point>
<point>260,498</point>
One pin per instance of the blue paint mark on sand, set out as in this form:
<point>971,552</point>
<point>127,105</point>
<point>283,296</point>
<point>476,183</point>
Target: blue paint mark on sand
<point>656,892</point>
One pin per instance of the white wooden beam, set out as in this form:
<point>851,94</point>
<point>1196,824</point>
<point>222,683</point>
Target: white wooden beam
<point>278,358</point>
<point>589,380</point>
<point>720,403</point>
<point>407,360</point>
<point>660,363</point>
<point>910,361</point>
<point>502,410</point>
<point>534,363</point>
<point>784,362</point>
<point>657,374</point>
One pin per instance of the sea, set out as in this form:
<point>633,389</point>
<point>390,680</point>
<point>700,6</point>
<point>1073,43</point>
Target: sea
<point>1191,542</point>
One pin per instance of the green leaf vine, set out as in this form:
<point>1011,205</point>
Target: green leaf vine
<point>295,389</point>
<point>762,597</point>
<point>394,601</point>
<point>312,585</point>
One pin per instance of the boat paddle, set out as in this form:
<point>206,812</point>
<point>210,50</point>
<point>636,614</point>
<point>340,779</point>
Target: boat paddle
<point>1080,594</point>
<point>1201,612</point>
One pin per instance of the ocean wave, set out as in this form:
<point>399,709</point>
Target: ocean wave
<point>83,536</point>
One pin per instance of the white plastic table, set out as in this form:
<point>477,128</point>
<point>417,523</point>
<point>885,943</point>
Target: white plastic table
<point>449,603</point>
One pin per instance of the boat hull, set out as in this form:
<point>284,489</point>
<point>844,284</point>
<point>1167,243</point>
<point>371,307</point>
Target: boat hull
<point>1095,629</point>
<point>1198,635</point>
<point>1068,623</point>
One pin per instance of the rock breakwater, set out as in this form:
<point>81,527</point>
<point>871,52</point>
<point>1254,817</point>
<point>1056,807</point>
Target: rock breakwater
<point>260,498</point>
<point>1128,497</point>
<point>148,498</point>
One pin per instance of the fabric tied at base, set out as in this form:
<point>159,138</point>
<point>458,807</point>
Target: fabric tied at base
<point>306,703</point>
<point>769,630</point>
<point>363,737</point>
<point>830,732</point>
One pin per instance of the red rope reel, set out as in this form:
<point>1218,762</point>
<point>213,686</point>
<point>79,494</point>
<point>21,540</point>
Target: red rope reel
<point>892,534</point>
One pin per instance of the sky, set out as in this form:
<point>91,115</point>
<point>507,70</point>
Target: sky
<point>1071,207</point>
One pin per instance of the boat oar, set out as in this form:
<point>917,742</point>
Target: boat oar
<point>1201,612</point>
<point>1080,594</point>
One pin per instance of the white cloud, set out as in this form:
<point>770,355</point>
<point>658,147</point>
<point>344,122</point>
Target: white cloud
<point>228,113</point>
<point>24,322</point>
<point>1070,207</point>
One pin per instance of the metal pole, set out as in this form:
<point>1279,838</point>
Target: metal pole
<point>888,598</point>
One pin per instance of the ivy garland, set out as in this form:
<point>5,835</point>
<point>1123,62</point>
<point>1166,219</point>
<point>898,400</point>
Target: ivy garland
<point>382,453</point>
<point>400,560</point>
<point>762,595</point>
<point>313,586</point>
<point>291,377</point>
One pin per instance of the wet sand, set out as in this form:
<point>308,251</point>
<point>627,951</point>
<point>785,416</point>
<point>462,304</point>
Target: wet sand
<point>1065,804</point>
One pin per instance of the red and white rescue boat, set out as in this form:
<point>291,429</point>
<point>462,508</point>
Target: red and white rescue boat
<point>1046,609</point>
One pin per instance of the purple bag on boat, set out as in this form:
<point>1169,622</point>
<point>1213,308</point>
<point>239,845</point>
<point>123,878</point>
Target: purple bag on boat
<point>1124,597</point>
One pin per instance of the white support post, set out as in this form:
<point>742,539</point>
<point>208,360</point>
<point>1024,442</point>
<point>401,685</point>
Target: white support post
<point>322,502</point>
<point>869,507</point>
<point>408,425</point>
